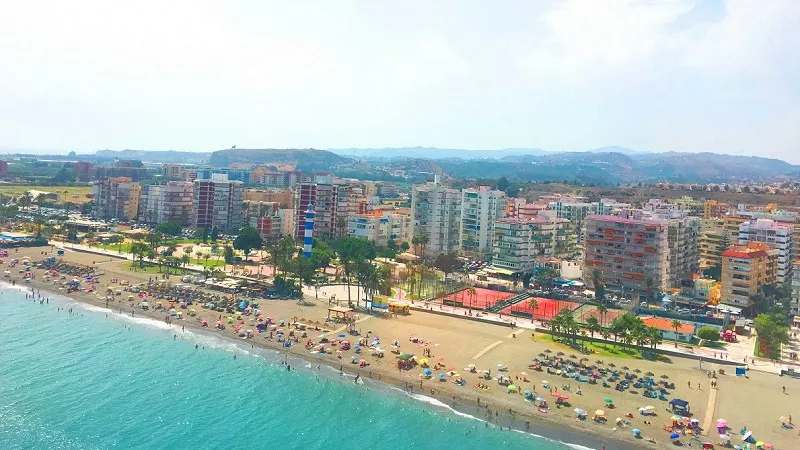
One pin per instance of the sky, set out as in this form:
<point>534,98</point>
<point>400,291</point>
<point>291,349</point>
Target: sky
<point>656,75</point>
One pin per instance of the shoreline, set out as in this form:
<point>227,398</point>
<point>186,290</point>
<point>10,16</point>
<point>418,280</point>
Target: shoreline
<point>552,428</point>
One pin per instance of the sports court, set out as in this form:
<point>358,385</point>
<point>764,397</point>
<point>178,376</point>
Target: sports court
<point>482,299</point>
<point>546,308</point>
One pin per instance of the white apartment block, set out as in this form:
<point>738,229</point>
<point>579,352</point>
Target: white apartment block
<point>518,243</point>
<point>776,236</point>
<point>480,208</point>
<point>380,227</point>
<point>172,201</point>
<point>436,212</point>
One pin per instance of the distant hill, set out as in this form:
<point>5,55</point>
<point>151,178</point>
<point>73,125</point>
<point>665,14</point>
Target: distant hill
<point>300,159</point>
<point>433,153</point>
<point>153,156</point>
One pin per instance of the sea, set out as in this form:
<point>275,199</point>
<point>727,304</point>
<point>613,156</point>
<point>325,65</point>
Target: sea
<point>96,379</point>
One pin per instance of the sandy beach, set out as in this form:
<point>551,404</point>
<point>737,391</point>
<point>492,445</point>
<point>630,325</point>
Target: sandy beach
<point>755,402</point>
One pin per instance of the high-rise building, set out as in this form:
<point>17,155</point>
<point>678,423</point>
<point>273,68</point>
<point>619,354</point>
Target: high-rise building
<point>436,212</point>
<point>745,270</point>
<point>350,201</point>
<point>3,169</point>
<point>627,252</point>
<point>116,198</point>
<point>381,227</point>
<point>775,235</point>
<point>172,201</point>
<point>683,257</point>
<point>267,218</point>
<point>82,171</point>
<point>795,305</point>
<point>713,241</point>
<point>480,208</point>
<point>217,203</point>
<point>518,243</point>
<point>576,212</point>
<point>323,194</point>
<point>714,209</point>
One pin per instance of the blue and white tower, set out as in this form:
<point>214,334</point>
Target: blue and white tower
<point>308,237</point>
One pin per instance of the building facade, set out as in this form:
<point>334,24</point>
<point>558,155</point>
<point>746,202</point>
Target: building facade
<point>518,243</point>
<point>217,204</point>
<point>480,208</point>
<point>381,227</point>
<point>712,242</point>
<point>775,235</point>
<point>116,198</point>
<point>745,270</point>
<point>436,213</point>
<point>173,201</point>
<point>323,195</point>
<point>627,252</point>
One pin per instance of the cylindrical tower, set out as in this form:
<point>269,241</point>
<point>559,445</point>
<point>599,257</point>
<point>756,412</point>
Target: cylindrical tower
<point>308,237</point>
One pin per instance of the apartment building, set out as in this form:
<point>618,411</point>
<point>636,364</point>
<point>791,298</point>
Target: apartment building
<point>518,243</point>
<point>217,203</point>
<point>627,252</point>
<point>795,306</point>
<point>350,201</point>
<point>283,196</point>
<point>436,213</point>
<point>116,198</point>
<point>241,175</point>
<point>775,235</point>
<point>712,242</point>
<point>322,193</point>
<point>172,201</point>
<point>745,270</point>
<point>381,227</point>
<point>480,208</point>
<point>269,219</point>
<point>684,256</point>
<point>82,171</point>
<point>714,209</point>
<point>576,212</point>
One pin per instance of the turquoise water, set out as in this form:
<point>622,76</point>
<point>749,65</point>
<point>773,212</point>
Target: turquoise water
<point>97,380</point>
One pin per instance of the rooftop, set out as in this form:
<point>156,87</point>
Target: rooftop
<point>666,325</point>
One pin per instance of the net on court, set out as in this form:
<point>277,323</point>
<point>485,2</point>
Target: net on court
<point>482,299</point>
<point>546,308</point>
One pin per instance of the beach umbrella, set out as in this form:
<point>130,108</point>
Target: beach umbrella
<point>722,423</point>
<point>608,400</point>
<point>573,356</point>
<point>427,372</point>
<point>580,412</point>
<point>612,365</point>
<point>599,361</point>
<point>747,435</point>
<point>647,408</point>
<point>545,382</point>
<point>600,413</point>
<point>637,370</point>
<point>500,366</point>
<point>512,388</point>
<point>625,368</point>
<point>442,375</point>
<point>650,374</point>
<point>760,444</point>
<point>528,392</point>
<point>665,376</point>
<point>405,356</point>
<point>524,374</point>
<point>674,436</point>
<point>676,417</point>
<point>636,432</point>
<point>560,354</point>
<point>783,419</point>
<point>725,437</point>
<point>341,335</point>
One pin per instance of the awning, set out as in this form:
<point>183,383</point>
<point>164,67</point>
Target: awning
<point>501,271</point>
<point>729,309</point>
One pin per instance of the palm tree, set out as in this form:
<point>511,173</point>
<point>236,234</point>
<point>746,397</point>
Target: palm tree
<point>470,293</point>
<point>603,311</point>
<point>534,305</point>
<point>605,335</point>
<point>185,260</point>
<point>676,325</point>
<point>599,287</point>
<point>593,325</point>
<point>206,256</point>
<point>654,336</point>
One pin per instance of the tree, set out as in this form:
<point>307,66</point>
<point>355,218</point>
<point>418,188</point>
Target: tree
<point>227,254</point>
<point>154,239</point>
<point>593,325</point>
<point>654,336</point>
<point>708,333</point>
<point>534,305</point>
<point>170,228</point>
<point>713,272</point>
<point>676,325</point>
<point>321,255</point>
<point>139,251</point>
<point>351,251</point>
<point>404,246</point>
<point>772,333</point>
<point>545,277</point>
<point>599,286</point>
<point>502,184</point>
<point>247,239</point>
<point>649,287</point>
<point>603,311</point>
<point>447,263</point>
<point>185,261</point>
<point>471,292</point>
<point>421,239</point>
<point>214,235</point>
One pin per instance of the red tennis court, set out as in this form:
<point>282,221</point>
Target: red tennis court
<point>604,319</point>
<point>482,299</point>
<point>546,308</point>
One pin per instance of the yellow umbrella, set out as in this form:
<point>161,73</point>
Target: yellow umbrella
<point>599,412</point>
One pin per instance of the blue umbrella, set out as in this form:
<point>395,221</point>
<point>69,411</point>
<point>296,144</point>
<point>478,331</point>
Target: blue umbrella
<point>528,392</point>
<point>636,431</point>
<point>442,375</point>
<point>427,371</point>
<point>342,335</point>
<point>674,436</point>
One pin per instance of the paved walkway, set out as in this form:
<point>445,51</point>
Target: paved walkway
<point>487,349</point>
<point>710,409</point>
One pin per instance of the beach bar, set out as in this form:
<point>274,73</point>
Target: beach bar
<point>341,314</point>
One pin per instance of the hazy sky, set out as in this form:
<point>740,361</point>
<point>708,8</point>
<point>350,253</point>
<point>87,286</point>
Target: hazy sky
<point>702,75</point>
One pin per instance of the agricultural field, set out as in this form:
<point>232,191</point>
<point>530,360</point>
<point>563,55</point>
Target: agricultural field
<point>73,194</point>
